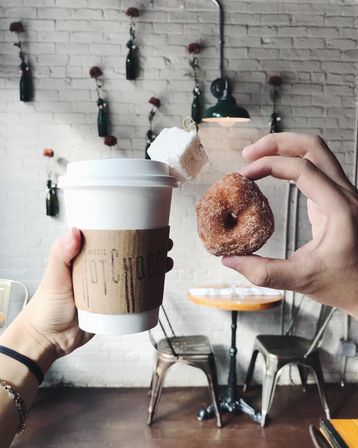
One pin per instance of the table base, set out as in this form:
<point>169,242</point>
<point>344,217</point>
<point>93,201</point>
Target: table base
<point>232,406</point>
<point>229,402</point>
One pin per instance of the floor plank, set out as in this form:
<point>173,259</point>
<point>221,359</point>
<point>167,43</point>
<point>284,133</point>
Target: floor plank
<point>104,418</point>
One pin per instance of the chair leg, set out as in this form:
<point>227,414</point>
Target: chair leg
<point>303,371</point>
<point>268,391</point>
<point>160,371</point>
<point>151,385</point>
<point>150,390</point>
<point>153,389</point>
<point>317,370</point>
<point>214,388</point>
<point>250,370</point>
<point>209,368</point>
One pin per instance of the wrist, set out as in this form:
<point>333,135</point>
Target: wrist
<point>22,337</point>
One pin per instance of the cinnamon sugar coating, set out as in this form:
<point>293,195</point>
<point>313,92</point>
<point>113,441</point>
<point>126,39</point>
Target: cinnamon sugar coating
<point>234,217</point>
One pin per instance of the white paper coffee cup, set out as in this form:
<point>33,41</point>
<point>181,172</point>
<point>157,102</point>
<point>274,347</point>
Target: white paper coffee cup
<point>126,201</point>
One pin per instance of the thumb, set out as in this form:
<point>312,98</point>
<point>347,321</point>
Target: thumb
<point>57,277</point>
<point>268,272</point>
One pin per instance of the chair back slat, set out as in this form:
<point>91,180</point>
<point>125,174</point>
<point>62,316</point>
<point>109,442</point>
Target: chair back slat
<point>152,340</point>
<point>165,332</point>
<point>169,342</point>
<point>5,295</point>
<point>168,320</point>
<point>5,292</point>
<point>324,317</point>
<point>325,314</point>
<point>296,312</point>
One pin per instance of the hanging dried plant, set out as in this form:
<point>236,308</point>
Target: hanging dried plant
<point>132,57</point>
<point>196,109</point>
<point>194,49</point>
<point>110,140</point>
<point>52,204</point>
<point>154,101</point>
<point>275,82</point>
<point>151,136</point>
<point>132,12</point>
<point>26,86</point>
<point>95,72</point>
<point>102,122</point>
<point>48,152</point>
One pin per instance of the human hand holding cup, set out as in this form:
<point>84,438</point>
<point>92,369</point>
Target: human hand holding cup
<point>122,208</point>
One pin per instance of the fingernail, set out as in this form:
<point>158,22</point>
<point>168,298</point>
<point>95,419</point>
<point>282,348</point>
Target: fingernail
<point>243,171</point>
<point>67,239</point>
<point>246,149</point>
<point>229,262</point>
<point>169,264</point>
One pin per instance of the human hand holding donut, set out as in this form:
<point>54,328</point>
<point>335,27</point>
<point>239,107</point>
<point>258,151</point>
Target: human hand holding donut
<point>326,268</point>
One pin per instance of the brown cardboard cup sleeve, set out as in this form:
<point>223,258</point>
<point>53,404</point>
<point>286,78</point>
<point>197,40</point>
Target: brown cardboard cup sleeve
<point>120,271</point>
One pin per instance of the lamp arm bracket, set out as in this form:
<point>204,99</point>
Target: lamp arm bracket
<point>221,34</point>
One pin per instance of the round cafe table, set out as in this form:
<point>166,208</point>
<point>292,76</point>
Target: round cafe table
<point>229,299</point>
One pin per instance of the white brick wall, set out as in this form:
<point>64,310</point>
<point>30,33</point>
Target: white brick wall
<point>313,44</point>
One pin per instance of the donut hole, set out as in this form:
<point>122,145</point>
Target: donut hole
<point>230,220</point>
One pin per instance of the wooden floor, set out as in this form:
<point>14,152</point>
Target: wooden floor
<point>101,418</point>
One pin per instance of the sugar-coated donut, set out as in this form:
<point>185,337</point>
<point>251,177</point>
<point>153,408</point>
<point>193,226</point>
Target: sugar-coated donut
<point>234,217</point>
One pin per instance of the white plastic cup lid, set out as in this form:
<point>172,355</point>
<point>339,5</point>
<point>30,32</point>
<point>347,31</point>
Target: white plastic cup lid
<point>117,172</point>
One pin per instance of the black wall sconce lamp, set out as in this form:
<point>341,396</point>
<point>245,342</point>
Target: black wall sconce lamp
<point>226,112</point>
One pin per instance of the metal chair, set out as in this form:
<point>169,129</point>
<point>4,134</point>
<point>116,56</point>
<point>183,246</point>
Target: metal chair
<point>194,350</point>
<point>281,350</point>
<point>5,293</point>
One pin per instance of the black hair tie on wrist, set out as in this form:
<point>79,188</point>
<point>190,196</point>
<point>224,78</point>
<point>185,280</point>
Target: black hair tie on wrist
<point>29,363</point>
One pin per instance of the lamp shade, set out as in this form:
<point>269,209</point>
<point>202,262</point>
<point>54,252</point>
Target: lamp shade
<point>226,112</point>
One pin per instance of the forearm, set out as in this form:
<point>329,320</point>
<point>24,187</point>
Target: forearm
<point>347,300</point>
<point>21,338</point>
<point>339,288</point>
<point>45,330</point>
<point>9,418</point>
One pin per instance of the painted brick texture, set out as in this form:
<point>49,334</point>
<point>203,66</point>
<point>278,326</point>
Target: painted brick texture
<point>312,44</point>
